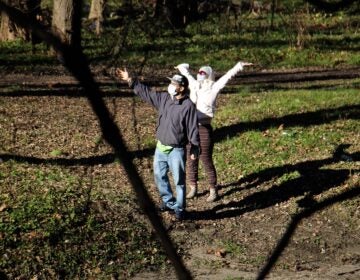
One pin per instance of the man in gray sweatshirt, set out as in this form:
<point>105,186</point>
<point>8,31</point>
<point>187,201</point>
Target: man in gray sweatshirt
<point>177,126</point>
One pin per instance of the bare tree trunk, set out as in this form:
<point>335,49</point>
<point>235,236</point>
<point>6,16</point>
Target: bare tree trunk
<point>158,8</point>
<point>62,20</point>
<point>273,8</point>
<point>9,30</point>
<point>97,14</point>
<point>192,10</point>
<point>180,12</point>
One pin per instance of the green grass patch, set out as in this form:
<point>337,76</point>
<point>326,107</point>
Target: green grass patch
<point>275,128</point>
<point>52,222</point>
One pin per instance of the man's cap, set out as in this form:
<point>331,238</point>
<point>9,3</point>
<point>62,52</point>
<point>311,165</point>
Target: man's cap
<point>180,80</point>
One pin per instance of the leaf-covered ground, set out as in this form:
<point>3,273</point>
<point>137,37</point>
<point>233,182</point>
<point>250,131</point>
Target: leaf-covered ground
<point>67,209</point>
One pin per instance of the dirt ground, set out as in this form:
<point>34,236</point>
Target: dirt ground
<point>233,237</point>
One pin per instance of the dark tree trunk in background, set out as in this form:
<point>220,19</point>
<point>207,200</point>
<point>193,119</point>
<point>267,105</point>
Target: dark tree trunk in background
<point>179,13</point>
<point>158,8</point>
<point>192,10</point>
<point>7,28</point>
<point>34,8</point>
<point>97,14</point>
<point>273,8</point>
<point>170,13</point>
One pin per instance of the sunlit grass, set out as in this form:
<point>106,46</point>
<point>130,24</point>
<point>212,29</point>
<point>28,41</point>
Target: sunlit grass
<point>282,127</point>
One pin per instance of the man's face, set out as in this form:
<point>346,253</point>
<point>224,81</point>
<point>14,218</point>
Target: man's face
<point>176,85</point>
<point>174,89</point>
<point>179,88</point>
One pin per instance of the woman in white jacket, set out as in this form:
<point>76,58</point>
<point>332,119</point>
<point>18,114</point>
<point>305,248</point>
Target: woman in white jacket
<point>203,92</point>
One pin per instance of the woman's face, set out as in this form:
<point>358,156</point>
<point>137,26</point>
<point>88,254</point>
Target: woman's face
<point>201,75</point>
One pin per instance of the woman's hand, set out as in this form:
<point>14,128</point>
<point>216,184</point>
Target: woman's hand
<point>182,65</point>
<point>244,63</point>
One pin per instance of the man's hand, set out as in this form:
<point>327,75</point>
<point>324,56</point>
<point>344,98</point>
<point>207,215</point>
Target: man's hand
<point>194,152</point>
<point>122,74</point>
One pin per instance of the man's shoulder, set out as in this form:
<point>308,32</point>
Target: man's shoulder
<point>187,100</point>
<point>189,104</point>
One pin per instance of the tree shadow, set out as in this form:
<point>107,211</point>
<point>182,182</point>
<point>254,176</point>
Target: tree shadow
<point>308,210</point>
<point>66,90</point>
<point>301,119</point>
<point>108,158</point>
<point>298,119</point>
<point>300,86</point>
<point>311,180</point>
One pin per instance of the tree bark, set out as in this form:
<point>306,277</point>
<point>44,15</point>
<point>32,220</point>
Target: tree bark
<point>62,21</point>
<point>97,14</point>
<point>8,29</point>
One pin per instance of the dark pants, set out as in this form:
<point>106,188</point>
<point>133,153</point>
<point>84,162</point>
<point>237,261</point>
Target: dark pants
<point>207,146</point>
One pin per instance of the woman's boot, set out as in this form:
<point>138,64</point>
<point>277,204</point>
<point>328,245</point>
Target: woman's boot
<point>192,192</point>
<point>213,195</point>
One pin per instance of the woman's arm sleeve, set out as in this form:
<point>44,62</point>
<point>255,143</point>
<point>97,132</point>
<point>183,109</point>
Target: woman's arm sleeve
<point>221,83</point>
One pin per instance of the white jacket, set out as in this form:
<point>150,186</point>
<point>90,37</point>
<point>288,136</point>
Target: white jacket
<point>204,93</point>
